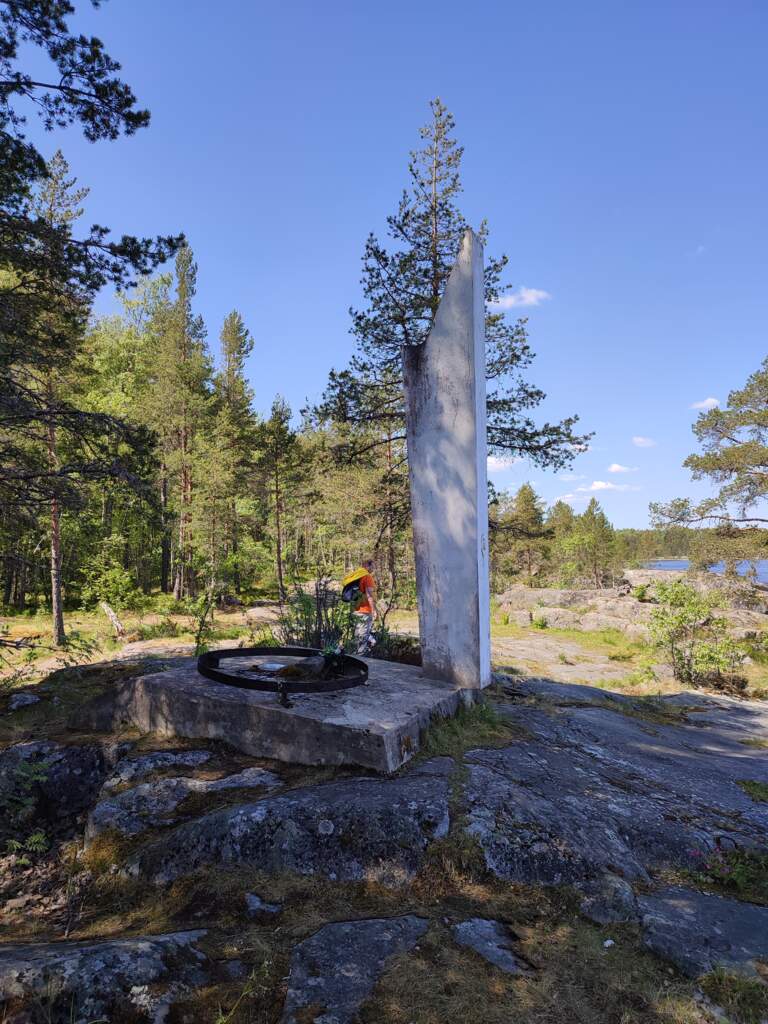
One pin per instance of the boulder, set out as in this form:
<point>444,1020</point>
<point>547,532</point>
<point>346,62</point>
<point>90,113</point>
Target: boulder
<point>334,971</point>
<point>151,804</point>
<point>80,982</point>
<point>608,900</point>
<point>493,941</point>
<point>700,932</point>
<point>354,829</point>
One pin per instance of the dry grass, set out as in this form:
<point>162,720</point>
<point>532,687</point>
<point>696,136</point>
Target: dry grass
<point>575,979</point>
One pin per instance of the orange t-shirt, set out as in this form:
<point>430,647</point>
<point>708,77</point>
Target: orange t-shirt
<point>366,583</point>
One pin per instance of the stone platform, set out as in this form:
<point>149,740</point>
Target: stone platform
<point>378,725</point>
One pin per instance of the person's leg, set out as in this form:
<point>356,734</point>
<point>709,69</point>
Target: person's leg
<point>363,628</point>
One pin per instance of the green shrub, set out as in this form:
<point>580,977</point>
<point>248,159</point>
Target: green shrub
<point>157,630</point>
<point>640,593</point>
<point>539,622</point>
<point>694,640</point>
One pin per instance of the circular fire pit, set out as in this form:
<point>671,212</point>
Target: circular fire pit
<point>283,670</point>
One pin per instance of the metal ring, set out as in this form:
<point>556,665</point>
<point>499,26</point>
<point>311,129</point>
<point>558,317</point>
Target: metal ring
<point>355,674</point>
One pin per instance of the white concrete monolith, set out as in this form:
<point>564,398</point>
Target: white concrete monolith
<point>445,419</point>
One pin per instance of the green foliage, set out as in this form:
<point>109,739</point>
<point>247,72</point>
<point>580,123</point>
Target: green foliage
<point>519,539</point>
<point>739,872</point>
<point>157,630</point>
<point>734,440</point>
<point>539,622</point>
<point>587,552</point>
<point>18,802</point>
<point>642,592</point>
<point>34,844</point>
<point>106,579</point>
<point>202,616</point>
<point>694,640</point>
<point>319,620</point>
<point>757,790</point>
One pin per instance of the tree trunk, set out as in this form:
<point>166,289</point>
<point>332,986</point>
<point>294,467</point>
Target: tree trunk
<point>279,539</point>
<point>165,539</point>
<point>57,607</point>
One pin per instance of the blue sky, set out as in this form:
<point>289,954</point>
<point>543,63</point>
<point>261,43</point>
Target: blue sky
<point>618,151</point>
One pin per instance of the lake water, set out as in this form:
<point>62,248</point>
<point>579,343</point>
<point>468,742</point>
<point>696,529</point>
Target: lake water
<point>682,563</point>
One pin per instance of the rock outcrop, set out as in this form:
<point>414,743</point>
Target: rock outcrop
<point>700,932</point>
<point>334,971</point>
<point>359,828</point>
<point>152,804</point>
<point>80,982</point>
<point>597,789</point>
<point>744,605</point>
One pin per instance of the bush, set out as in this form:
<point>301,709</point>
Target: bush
<point>156,630</point>
<point>694,640</point>
<point>641,592</point>
<point>320,620</point>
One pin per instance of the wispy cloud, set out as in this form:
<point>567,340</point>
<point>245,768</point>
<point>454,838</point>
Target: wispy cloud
<point>498,463</point>
<point>607,485</point>
<point>522,297</point>
<point>706,403</point>
<point>570,498</point>
<point>643,442</point>
<point>616,467</point>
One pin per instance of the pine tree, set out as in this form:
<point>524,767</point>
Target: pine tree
<point>58,205</point>
<point>403,289</point>
<point>519,537</point>
<point>225,465</point>
<point>592,546</point>
<point>281,470</point>
<point>734,440</point>
<point>176,405</point>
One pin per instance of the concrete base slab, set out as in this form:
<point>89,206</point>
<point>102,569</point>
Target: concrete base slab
<point>378,725</point>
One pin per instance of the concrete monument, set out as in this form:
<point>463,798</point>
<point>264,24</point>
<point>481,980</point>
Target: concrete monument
<point>445,420</point>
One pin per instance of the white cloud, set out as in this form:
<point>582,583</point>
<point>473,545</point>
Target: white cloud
<point>706,403</point>
<point>522,297</point>
<point>568,478</point>
<point>498,463</point>
<point>606,485</point>
<point>570,498</point>
<point>616,467</point>
<point>643,442</point>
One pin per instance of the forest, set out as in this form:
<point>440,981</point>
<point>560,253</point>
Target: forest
<point>141,469</point>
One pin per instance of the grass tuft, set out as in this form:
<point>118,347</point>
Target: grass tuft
<point>479,725</point>
<point>744,1000</point>
<point>757,790</point>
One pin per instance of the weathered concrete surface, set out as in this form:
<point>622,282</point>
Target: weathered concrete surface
<point>597,791</point>
<point>80,982</point>
<point>152,804</point>
<point>492,940</point>
<point>700,932</point>
<point>355,829</point>
<point>375,726</point>
<point>334,971</point>
<point>446,428</point>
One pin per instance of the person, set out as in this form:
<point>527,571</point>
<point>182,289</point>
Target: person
<point>365,610</point>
